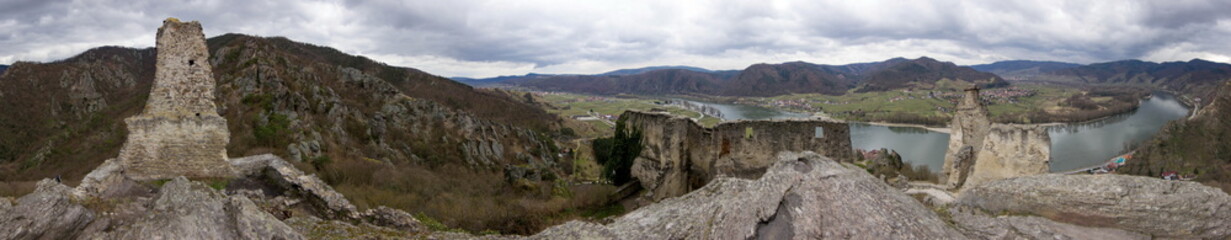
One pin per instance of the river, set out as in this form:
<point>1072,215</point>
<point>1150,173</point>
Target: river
<point>1074,145</point>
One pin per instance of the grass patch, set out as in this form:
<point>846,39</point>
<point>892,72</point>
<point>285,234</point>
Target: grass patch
<point>158,183</point>
<point>218,184</point>
<point>435,225</point>
<point>604,212</point>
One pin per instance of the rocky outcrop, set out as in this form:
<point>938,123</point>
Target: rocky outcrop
<point>1011,150</point>
<point>291,188</point>
<point>1167,209</point>
<point>180,132</point>
<point>49,213</point>
<point>191,210</point>
<point>976,223</point>
<point>678,155</point>
<point>108,205</point>
<point>801,196</point>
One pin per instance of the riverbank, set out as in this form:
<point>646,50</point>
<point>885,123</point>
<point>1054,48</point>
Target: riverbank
<point>888,124</point>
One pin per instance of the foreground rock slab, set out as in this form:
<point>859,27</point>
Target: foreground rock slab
<point>801,196</point>
<point>192,210</point>
<point>48,213</point>
<point>1167,209</point>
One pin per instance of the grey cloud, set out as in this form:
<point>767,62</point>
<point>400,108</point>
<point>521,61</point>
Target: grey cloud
<point>631,32</point>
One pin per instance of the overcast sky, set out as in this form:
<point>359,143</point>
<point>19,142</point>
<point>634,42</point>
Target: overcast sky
<point>509,37</point>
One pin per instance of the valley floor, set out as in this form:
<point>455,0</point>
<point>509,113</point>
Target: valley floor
<point>929,109</point>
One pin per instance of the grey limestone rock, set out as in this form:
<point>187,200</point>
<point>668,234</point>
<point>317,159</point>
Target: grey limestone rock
<point>393,218</point>
<point>978,224</point>
<point>50,212</point>
<point>801,196</point>
<point>1160,208</point>
<point>191,210</point>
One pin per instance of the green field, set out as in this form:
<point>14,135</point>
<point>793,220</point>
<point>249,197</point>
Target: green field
<point>879,106</point>
<point>567,105</point>
<point>900,106</point>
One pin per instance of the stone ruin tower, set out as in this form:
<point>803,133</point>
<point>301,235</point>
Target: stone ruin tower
<point>179,133</point>
<point>967,130</point>
<point>980,151</point>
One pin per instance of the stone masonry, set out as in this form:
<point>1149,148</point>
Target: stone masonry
<point>679,155</point>
<point>179,133</point>
<point>1011,150</point>
<point>980,151</point>
<point>967,129</point>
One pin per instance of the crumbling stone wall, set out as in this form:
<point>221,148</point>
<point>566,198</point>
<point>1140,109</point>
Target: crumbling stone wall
<point>679,155</point>
<point>980,151</point>
<point>179,133</point>
<point>967,129</point>
<point>1011,150</point>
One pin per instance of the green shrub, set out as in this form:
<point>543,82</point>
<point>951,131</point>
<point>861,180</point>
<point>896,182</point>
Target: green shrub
<point>618,152</point>
<point>264,101</point>
<point>219,184</point>
<point>320,162</point>
<point>274,132</point>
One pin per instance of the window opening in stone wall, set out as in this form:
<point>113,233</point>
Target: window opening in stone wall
<point>747,132</point>
<point>192,62</point>
<point>820,133</point>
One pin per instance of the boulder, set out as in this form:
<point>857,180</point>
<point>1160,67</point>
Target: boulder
<point>293,181</point>
<point>803,196</point>
<point>1160,208</point>
<point>253,223</point>
<point>393,218</point>
<point>192,210</point>
<point>50,212</point>
<point>297,187</point>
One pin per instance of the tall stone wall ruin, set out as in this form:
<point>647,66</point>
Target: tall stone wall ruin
<point>1011,150</point>
<point>179,133</point>
<point>678,155</point>
<point>967,129</point>
<point>980,151</point>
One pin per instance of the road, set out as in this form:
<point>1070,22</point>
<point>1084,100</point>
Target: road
<point>1084,169</point>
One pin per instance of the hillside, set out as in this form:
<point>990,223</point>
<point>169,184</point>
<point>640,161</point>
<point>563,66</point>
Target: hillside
<point>1198,78</point>
<point>1195,147</point>
<point>382,135</point>
<point>787,78</point>
<point>667,81</point>
<point>1022,69</point>
<point>654,68</point>
<point>756,80</point>
<point>923,73</point>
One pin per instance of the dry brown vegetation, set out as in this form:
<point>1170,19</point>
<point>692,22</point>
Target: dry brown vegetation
<point>463,198</point>
<point>1197,147</point>
<point>52,133</point>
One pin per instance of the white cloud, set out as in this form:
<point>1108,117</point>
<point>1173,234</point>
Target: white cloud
<point>483,38</point>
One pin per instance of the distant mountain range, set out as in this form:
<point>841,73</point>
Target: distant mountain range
<point>756,80</point>
<point>3,67</point>
<point>1196,77</point>
<point>647,69</point>
<point>1017,69</point>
